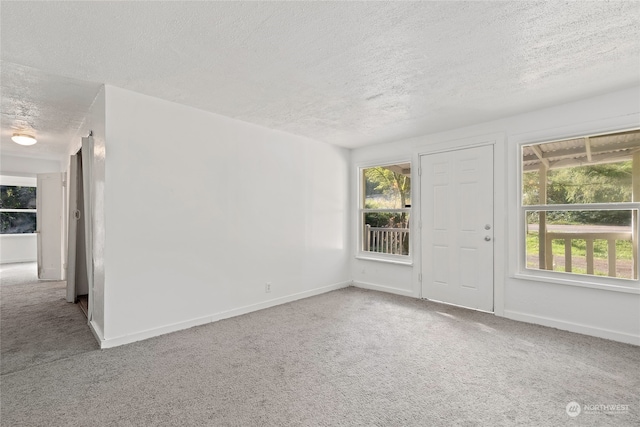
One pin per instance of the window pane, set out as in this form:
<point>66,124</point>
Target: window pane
<point>17,222</point>
<point>387,187</point>
<point>582,242</point>
<point>14,197</point>
<point>386,232</point>
<point>596,169</point>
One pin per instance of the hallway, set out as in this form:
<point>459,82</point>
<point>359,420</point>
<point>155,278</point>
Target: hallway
<point>38,325</point>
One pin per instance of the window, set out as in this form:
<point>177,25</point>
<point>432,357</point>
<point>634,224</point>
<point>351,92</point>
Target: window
<point>580,202</point>
<point>385,208</point>
<point>17,209</point>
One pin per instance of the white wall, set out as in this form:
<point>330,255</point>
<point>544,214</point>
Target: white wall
<point>605,313</point>
<point>19,166</point>
<point>18,248</point>
<point>18,170</point>
<point>203,210</point>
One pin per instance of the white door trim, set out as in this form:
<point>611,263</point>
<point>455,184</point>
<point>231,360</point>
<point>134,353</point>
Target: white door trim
<point>72,228</point>
<point>87,186</point>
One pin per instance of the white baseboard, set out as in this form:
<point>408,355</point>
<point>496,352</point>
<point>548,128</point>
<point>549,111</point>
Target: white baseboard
<point>17,260</point>
<point>573,327</point>
<point>52,273</point>
<point>150,333</point>
<point>388,289</point>
<point>97,332</point>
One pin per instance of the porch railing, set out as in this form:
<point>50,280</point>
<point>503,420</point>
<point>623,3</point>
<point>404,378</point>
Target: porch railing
<point>589,238</point>
<point>393,241</point>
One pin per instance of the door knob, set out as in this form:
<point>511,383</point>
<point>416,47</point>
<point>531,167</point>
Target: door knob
<point>487,227</point>
<point>487,238</point>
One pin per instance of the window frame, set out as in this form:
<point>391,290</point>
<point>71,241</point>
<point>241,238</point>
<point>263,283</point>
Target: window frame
<point>361,211</point>
<point>33,211</point>
<point>560,277</point>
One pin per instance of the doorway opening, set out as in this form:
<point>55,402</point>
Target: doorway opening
<point>80,249</point>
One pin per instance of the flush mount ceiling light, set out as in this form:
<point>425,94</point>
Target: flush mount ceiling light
<point>23,139</point>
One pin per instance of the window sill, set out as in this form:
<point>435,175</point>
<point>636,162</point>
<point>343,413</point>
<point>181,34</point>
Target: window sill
<point>18,234</point>
<point>587,282</point>
<point>407,262</point>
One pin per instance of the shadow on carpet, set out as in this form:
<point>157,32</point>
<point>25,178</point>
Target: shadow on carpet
<point>37,325</point>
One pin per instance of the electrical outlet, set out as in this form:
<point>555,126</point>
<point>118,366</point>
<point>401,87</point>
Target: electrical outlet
<point>267,287</point>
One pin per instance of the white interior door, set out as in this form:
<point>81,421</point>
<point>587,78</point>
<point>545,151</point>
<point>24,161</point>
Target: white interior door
<point>457,227</point>
<point>72,228</point>
<point>87,185</point>
<point>49,205</point>
<point>77,280</point>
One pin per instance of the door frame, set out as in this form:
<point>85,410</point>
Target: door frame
<point>84,156</point>
<point>500,246</point>
<point>86,153</point>
<point>72,228</point>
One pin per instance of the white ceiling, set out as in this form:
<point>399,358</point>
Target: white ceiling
<point>47,106</point>
<point>347,73</point>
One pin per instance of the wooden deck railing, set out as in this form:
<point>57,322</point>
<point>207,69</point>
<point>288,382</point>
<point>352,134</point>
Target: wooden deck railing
<point>589,238</point>
<point>386,240</point>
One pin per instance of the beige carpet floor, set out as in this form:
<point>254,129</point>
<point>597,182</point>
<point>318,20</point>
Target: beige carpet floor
<point>346,358</point>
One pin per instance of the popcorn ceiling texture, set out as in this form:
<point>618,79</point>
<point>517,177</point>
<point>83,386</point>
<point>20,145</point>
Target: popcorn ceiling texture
<point>51,108</point>
<point>347,73</point>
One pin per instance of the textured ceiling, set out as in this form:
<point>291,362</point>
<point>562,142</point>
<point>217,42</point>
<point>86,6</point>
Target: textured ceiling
<point>347,73</point>
<point>50,107</point>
